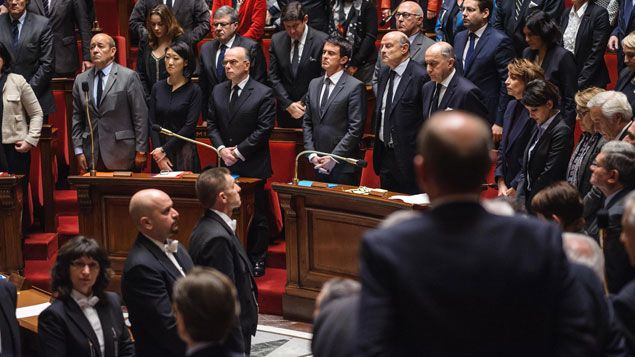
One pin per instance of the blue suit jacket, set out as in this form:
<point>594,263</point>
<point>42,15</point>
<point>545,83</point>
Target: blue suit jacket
<point>513,144</point>
<point>488,71</point>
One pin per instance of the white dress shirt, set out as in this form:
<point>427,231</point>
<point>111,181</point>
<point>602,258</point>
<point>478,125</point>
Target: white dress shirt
<point>300,45</point>
<point>400,69</point>
<point>478,34</point>
<point>230,222</point>
<point>20,22</point>
<point>571,32</point>
<point>229,45</point>
<point>169,255</point>
<point>445,84</point>
<point>92,317</point>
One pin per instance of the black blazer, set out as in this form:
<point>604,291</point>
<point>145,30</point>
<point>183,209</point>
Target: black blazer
<point>558,64</point>
<point>64,330</point>
<point>474,284</point>
<point>590,45</point>
<point>214,244</point>
<point>405,120</point>
<point>488,70</point>
<point>623,84</point>
<point>624,305</point>
<point>146,286</point>
<point>192,15</point>
<point>248,127</point>
<point>338,128</point>
<point>207,77</point>
<point>584,173</point>
<point>623,28</point>
<point>34,57</point>
<point>460,94</point>
<point>514,142</point>
<point>286,87</point>
<point>549,159</point>
<point>8,321</point>
<point>513,27</point>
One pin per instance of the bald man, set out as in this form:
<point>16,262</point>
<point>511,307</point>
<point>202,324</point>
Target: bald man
<point>433,287</point>
<point>117,110</point>
<point>154,263</point>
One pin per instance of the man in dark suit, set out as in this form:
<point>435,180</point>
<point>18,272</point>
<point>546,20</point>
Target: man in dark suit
<point>64,17</point>
<point>397,114</point>
<point>118,113</point>
<point>448,89</point>
<point>213,243</point>
<point>530,305</point>
<point>29,39</point>
<point>482,56</point>
<point>9,330</point>
<point>625,25</point>
<point>613,173</point>
<point>318,12</point>
<point>409,17</point>
<point>154,263</point>
<point>611,113</point>
<point>294,60</point>
<point>510,17</point>
<point>213,53</point>
<point>624,301</point>
<point>241,118</point>
<point>335,115</point>
<point>192,15</point>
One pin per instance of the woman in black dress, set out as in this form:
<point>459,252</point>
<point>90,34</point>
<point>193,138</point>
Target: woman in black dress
<point>163,28</point>
<point>175,104</point>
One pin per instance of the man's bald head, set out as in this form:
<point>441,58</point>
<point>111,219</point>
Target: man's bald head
<point>152,212</point>
<point>236,64</point>
<point>439,61</point>
<point>102,50</point>
<point>395,48</point>
<point>409,17</point>
<point>453,154</point>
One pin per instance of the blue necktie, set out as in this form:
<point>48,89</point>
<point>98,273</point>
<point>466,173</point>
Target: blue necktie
<point>469,56</point>
<point>15,34</point>
<point>220,69</point>
<point>100,87</point>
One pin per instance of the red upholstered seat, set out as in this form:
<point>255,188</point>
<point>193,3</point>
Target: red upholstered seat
<point>107,13</point>
<point>611,63</point>
<point>266,43</point>
<point>206,156</point>
<point>132,60</point>
<point>282,162</point>
<point>369,178</point>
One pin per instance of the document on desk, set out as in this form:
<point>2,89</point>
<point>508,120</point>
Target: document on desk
<point>33,310</point>
<point>420,199</point>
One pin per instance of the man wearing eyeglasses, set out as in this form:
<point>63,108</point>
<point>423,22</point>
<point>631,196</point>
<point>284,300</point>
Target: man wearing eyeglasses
<point>213,53</point>
<point>409,17</point>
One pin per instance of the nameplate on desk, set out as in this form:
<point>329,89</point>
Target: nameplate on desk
<point>122,173</point>
<point>172,174</point>
<point>307,183</point>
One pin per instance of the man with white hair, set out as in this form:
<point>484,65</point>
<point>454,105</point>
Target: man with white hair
<point>611,113</point>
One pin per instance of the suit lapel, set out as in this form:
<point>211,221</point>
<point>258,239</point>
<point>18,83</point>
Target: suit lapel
<point>334,94</point>
<point>112,78</point>
<point>416,44</point>
<point>583,29</point>
<point>482,42</point>
<point>77,316</point>
<point>449,92</point>
<point>244,95</point>
<point>160,256</point>
<point>382,84</point>
<point>460,43</point>
<point>25,33</point>
<point>518,127</point>
<point>91,88</point>
<point>107,327</point>
<point>239,249</point>
<point>306,50</point>
<point>403,84</point>
<point>215,46</point>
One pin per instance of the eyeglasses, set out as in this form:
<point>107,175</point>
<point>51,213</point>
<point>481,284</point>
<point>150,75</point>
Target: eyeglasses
<point>77,264</point>
<point>405,15</point>
<point>222,24</point>
<point>232,62</point>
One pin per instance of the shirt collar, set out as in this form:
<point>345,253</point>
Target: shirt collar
<point>20,20</point>
<point>610,197</point>
<point>230,42</point>
<point>401,67</point>
<point>335,77</point>
<point>304,34</point>
<point>480,31</point>
<point>106,70</point>
<point>546,124</point>
<point>580,11</point>
<point>411,39</point>
<point>448,79</point>
<point>224,217</point>
<point>77,296</point>
<point>156,242</point>
<point>624,129</point>
<point>242,83</point>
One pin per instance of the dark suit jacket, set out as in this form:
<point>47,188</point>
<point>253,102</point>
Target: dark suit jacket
<point>488,70</point>
<point>8,322</point>
<point>625,77</point>
<point>207,78</point>
<point>317,10</point>
<point>404,117</point>
<point>623,28</point>
<point>286,87</point>
<point>34,57</point>
<point>549,159</point>
<point>214,244</point>
<point>557,65</point>
<point>64,330</point>
<point>513,27</point>
<point>338,128</point>
<point>146,286</point>
<point>460,94</point>
<point>65,16</point>
<point>474,285</point>
<point>513,144</point>
<point>624,304</point>
<point>335,328</point>
<point>590,45</point>
<point>192,15</point>
<point>248,127</point>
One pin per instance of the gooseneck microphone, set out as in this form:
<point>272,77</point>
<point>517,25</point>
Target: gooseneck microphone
<point>159,129</point>
<point>93,172</point>
<point>348,160</point>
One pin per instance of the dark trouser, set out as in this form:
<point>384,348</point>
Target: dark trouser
<point>391,177</point>
<point>247,338</point>
<point>258,237</point>
<point>20,164</point>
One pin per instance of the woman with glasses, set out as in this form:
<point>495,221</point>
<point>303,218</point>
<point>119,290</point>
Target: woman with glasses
<point>578,172</point>
<point>626,80</point>
<point>84,320</point>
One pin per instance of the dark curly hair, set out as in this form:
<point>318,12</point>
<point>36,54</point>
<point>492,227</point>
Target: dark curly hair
<point>541,25</point>
<point>75,248</point>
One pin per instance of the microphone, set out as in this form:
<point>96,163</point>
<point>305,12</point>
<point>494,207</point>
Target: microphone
<point>93,172</point>
<point>161,130</point>
<point>348,160</point>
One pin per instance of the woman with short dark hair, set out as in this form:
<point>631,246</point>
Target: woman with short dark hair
<point>84,320</point>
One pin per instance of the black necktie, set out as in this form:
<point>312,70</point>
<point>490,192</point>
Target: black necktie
<point>469,56</point>
<point>325,95</point>
<point>45,4</point>
<point>234,98</point>
<point>435,99</point>
<point>295,58</point>
<point>14,34</point>
<point>389,94</point>
<point>100,86</point>
<point>220,68</point>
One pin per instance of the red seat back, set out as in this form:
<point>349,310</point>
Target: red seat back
<point>58,119</point>
<point>611,63</point>
<point>369,178</point>
<point>107,12</point>
<point>266,43</point>
<point>206,156</point>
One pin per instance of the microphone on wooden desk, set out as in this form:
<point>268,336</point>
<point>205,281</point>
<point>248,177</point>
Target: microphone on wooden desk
<point>348,160</point>
<point>159,129</point>
<point>93,172</point>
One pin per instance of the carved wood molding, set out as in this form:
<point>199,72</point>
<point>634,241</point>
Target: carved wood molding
<point>83,198</point>
<point>7,198</point>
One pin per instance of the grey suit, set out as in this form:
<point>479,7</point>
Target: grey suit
<point>192,15</point>
<point>120,123</point>
<point>418,48</point>
<point>64,17</point>
<point>338,127</point>
<point>33,58</point>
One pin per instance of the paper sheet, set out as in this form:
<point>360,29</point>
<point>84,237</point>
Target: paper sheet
<point>33,310</point>
<point>420,199</point>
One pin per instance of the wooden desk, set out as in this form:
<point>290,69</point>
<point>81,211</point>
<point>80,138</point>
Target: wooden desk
<point>27,298</point>
<point>11,223</point>
<point>323,230</point>
<point>103,210</point>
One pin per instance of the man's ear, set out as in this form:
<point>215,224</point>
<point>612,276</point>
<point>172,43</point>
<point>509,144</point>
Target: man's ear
<point>556,219</point>
<point>146,223</point>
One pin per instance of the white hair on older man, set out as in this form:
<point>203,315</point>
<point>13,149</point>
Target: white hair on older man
<point>582,249</point>
<point>612,103</point>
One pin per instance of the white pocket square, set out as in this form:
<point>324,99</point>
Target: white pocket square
<point>532,4</point>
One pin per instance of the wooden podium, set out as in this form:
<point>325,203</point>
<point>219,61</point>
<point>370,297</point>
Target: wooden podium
<point>11,223</point>
<point>103,210</point>
<point>323,230</point>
